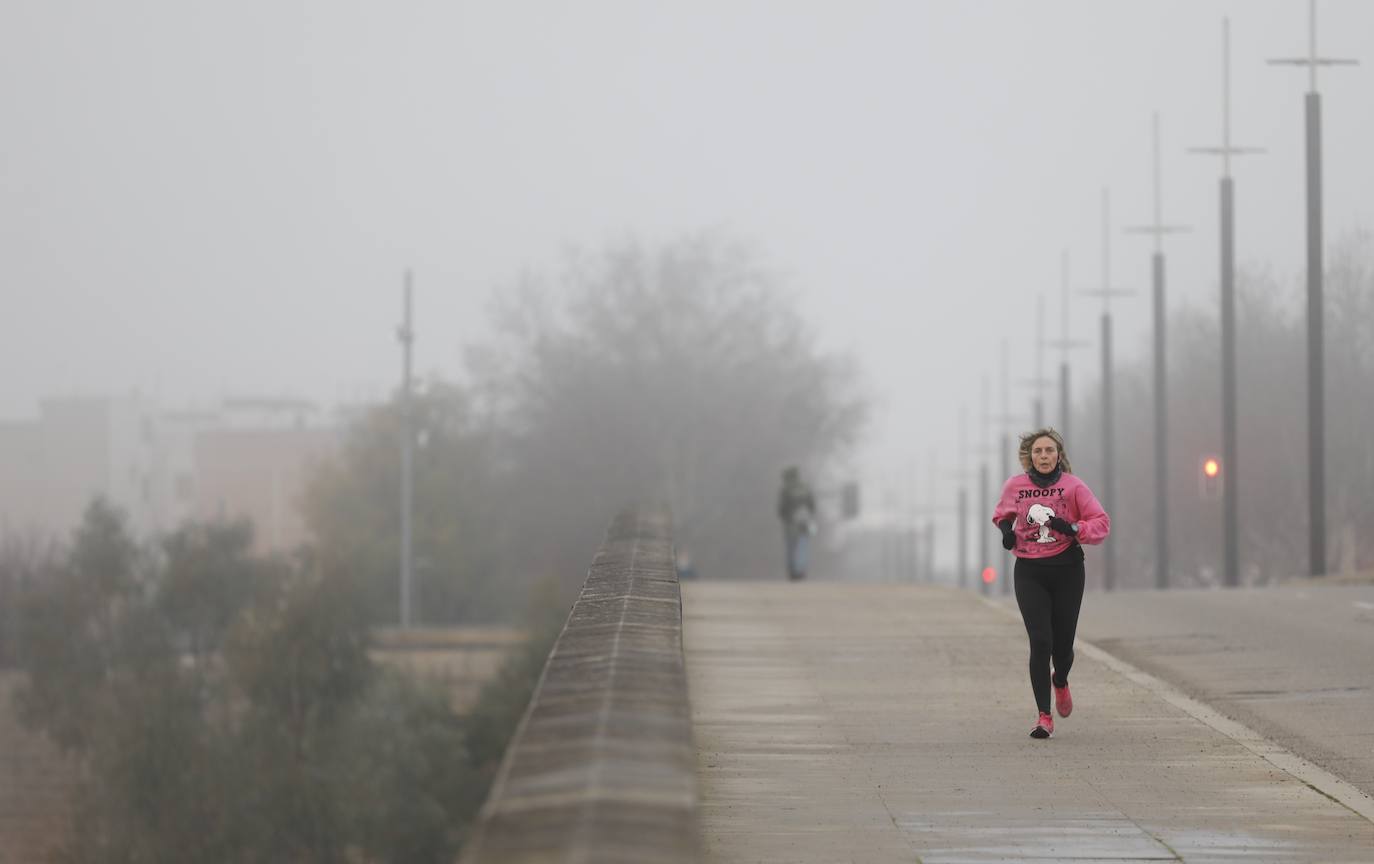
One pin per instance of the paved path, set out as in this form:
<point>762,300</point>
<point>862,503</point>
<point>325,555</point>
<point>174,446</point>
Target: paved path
<point>1294,662</point>
<point>876,723</point>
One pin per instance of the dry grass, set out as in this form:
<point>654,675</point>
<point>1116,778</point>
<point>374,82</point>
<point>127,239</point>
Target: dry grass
<point>461,659</point>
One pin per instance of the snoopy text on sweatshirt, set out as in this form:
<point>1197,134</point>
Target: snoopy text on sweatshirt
<point>1032,506</point>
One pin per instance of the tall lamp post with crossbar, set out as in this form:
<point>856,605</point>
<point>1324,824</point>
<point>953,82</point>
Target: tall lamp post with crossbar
<point>1316,397</point>
<point>1107,292</point>
<point>1158,230</point>
<point>1230,504</point>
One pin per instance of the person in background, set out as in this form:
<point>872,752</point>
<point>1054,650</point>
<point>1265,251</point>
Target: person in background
<point>683,561</point>
<point>797,510</point>
<point>1045,513</point>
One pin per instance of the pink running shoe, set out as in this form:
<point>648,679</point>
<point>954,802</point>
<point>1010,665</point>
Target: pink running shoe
<point>1063,701</point>
<point>1044,727</point>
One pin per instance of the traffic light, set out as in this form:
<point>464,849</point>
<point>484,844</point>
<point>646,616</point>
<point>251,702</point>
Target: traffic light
<point>849,500</point>
<point>989,575</point>
<point>1209,479</point>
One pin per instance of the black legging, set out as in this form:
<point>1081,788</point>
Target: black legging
<point>1050,593</point>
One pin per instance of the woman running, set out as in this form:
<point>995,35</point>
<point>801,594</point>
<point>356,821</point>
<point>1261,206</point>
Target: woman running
<point>1044,514</point>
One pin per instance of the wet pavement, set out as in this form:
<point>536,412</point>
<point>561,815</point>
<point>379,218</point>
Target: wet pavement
<point>877,723</point>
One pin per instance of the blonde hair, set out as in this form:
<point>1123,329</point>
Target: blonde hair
<point>1024,451</point>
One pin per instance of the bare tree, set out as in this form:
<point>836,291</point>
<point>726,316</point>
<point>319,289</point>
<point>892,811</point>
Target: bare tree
<point>682,374</point>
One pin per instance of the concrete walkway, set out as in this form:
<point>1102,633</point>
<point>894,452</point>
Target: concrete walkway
<point>876,723</point>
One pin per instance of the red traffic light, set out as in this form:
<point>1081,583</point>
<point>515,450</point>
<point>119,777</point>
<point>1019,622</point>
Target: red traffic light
<point>1209,480</point>
<point>989,575</point>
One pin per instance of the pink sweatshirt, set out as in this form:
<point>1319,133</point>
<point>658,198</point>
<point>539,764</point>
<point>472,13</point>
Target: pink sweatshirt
<point>1069,498</point>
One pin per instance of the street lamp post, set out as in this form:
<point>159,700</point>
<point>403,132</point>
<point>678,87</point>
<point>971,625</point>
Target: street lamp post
<point>1316,396</point>
<point>984,505</point>
<point>1158,229</point>
<point>1230,486</point>
<point>406,334</point>
<point>1005,449</point>
<point>1039,383</point>
<point>963,497</point>
<point>1064,344</point>
<point>1107,292</point>
<point>1006,466</point>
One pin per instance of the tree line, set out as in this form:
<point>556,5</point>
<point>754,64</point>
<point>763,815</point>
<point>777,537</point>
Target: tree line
<point>224,705</point>
<point>681,375</point>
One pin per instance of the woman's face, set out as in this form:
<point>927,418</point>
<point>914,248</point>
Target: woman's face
<point>1044,454</point>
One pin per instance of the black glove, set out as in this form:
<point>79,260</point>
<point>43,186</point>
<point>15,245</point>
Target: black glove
<point>1063,526</point>
<point>1008,536</point>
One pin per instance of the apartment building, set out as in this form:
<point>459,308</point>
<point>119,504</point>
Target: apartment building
<point>247,458</point>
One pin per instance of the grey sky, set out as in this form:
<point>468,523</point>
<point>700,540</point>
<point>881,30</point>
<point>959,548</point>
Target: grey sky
<point>208,199</point>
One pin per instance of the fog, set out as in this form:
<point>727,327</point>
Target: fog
<point>200,201</point>
<point>659,251</point>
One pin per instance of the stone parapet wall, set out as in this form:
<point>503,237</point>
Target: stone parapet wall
<point>602,768</point>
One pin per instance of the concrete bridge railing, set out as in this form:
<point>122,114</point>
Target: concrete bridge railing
<point>602,768</point>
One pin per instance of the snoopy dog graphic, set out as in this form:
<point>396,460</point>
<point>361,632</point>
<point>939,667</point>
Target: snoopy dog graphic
<point>1040,515</point>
